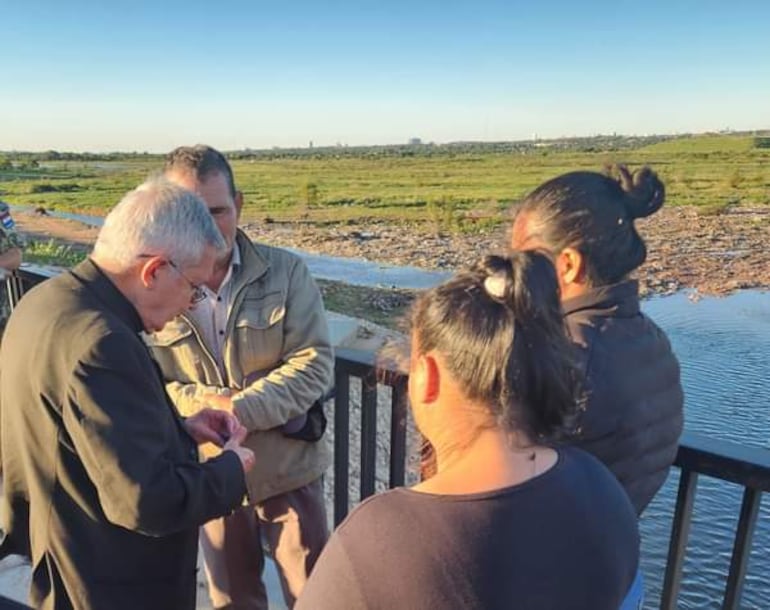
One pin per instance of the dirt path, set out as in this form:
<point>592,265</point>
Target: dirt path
<point>44,228</point>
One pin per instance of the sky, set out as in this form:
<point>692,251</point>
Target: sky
<point>149,76</point>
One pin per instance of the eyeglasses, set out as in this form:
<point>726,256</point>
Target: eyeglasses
<point>198,293</point>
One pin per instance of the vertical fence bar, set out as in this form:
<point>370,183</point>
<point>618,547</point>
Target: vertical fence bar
<point>680,531</point>
<point>398,433</point>
<point>368,435</point>
<point>15,289</point>
<point>341,441</point>
<point>742,548</point>
<point>7,278</point>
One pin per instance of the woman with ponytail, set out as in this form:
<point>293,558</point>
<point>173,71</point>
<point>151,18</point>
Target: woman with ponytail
<point>510,519</point>
<point>631,414</point>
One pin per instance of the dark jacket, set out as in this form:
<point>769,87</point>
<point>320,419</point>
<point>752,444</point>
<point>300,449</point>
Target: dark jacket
<point>634,407</point>
<point>103,489</point>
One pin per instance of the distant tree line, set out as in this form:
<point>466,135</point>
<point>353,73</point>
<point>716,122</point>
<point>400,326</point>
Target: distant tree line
<point>416,148</point>
<point>10,163</point>
<point>29,160</point>
<point>588,144</point>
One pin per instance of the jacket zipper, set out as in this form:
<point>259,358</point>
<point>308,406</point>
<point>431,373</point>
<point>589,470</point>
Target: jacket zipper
<point>205,349</point>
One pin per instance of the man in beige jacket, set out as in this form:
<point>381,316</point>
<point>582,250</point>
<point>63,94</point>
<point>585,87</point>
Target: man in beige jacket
<point>257,345</point>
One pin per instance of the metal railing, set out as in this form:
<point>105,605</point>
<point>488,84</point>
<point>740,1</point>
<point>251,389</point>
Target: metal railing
<point>355,363</point>
<point>698,455</point>
<point>746,466</point>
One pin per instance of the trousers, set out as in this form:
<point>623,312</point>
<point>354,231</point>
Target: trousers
<point>293,527</point>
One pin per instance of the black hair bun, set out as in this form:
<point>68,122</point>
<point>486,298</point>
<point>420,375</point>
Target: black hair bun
<point>644,191</point>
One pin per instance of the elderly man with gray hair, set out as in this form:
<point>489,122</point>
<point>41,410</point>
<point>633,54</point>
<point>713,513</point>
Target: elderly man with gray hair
<point>103,487</point>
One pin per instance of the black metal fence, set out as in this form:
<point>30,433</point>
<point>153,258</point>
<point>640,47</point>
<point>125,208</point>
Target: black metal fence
<point>697,456</point>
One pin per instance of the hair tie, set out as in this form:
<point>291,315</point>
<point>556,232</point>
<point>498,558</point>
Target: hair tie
<point>495,285</point>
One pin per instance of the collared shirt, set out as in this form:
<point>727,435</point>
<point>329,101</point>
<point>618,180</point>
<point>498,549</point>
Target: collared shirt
<point>210,315</point>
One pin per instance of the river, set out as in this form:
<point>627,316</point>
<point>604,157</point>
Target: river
<point>723,345</point>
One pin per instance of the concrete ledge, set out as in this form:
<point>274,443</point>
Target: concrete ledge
<point>360,334</point>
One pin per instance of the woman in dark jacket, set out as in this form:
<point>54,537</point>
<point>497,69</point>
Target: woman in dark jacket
<point>507,520</point>
<point>633,406</point>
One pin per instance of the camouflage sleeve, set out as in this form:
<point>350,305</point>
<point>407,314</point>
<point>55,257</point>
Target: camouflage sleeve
<point>10,239</point>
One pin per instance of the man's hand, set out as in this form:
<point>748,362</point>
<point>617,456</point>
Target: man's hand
<point>244,454</point>
<point>224,430</point>
<point>216,401</point>
<point>213,426</point>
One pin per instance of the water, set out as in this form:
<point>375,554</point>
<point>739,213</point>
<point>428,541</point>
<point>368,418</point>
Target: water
<point>367,273</point>
<point>723,345</point>
<point>91,221</point>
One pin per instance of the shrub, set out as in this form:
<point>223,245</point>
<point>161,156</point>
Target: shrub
<point>52,253</point>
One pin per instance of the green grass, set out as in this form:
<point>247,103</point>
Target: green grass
<point>703,144</point>
<point>52,253</point>
<point>445,188</point>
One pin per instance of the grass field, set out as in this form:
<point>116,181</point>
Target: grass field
<point>460,190</point>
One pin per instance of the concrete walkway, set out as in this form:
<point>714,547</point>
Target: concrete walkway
<point>15,576</point>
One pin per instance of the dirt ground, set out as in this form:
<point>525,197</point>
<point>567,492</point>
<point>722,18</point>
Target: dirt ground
<point>710,254</point>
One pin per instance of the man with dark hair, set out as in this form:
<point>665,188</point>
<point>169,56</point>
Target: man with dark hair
<point>256,345</point>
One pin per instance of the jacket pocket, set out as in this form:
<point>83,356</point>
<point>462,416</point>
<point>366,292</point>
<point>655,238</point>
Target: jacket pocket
<point>258,332</point>
<point>262,312</point>
<point>178,353</point>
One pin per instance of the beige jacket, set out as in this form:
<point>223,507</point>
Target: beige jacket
<point>276,335</point>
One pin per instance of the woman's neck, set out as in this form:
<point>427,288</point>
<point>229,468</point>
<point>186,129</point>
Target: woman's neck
<point>493,460</point>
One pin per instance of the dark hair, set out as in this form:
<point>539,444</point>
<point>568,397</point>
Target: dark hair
<point>201,160</point>
<point>594,214</point>
<point>500,328</point>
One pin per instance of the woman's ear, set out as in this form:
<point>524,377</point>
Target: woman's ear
<point>570,267</point>
<point>425,378</point>
<point>432,379</point>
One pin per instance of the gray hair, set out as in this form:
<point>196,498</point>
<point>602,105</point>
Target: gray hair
<point>160,219</point>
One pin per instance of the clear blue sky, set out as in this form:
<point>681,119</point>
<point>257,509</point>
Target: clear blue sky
<point>140,75</point>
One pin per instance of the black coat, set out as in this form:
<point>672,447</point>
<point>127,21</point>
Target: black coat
<point>102,486</point>
<point>634,408</point>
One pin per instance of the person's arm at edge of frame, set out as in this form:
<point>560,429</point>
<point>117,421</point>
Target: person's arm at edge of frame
<point>10,259</point>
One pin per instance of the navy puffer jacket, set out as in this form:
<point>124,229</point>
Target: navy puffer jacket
<point>633,413</point>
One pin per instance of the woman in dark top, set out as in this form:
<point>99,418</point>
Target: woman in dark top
<point>507,521</point>
<point>632,413</point>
